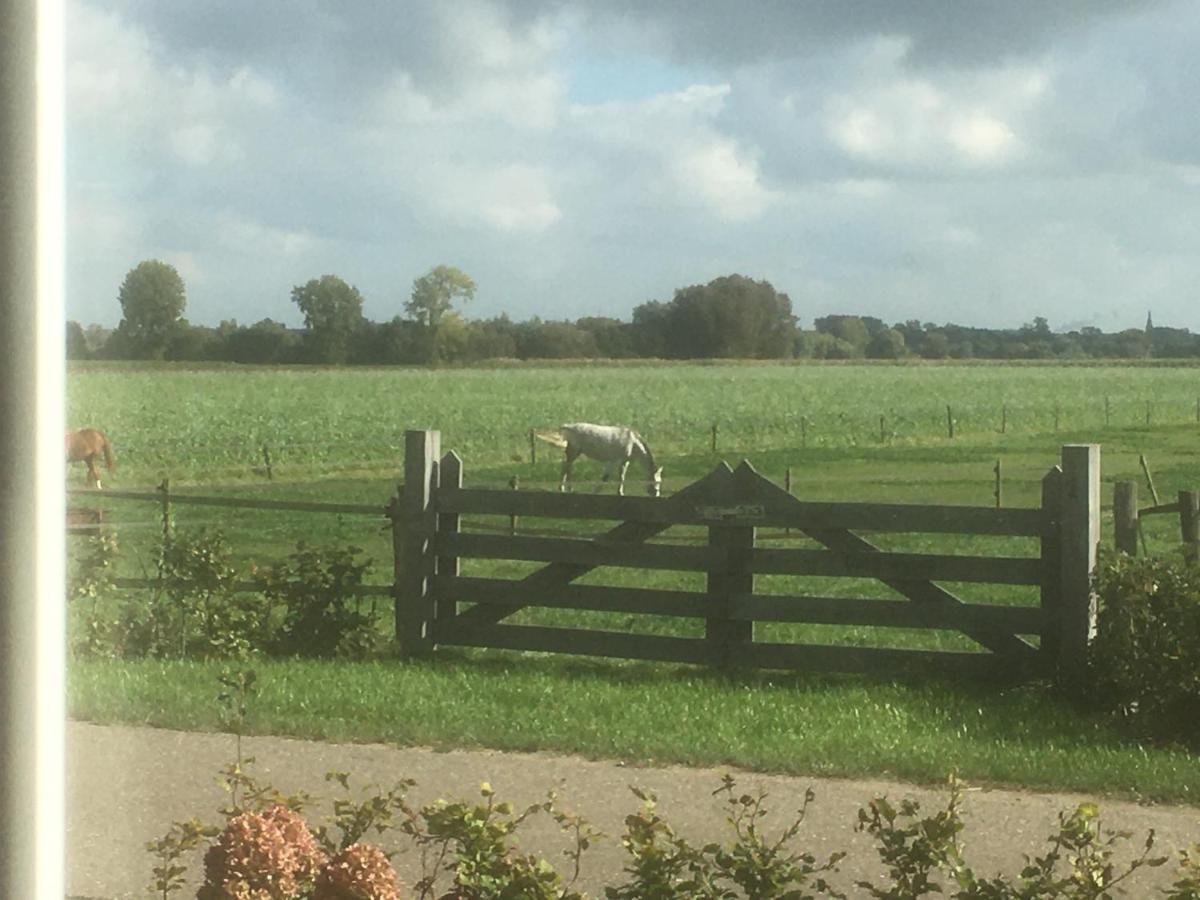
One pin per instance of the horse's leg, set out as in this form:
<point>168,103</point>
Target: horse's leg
<point>93,472</point>
<point>621,484</point>
<point>568,461</point>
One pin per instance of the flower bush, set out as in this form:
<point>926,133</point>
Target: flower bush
<point>360,872</point>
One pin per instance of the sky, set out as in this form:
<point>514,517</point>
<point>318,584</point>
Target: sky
<point>977,163</point>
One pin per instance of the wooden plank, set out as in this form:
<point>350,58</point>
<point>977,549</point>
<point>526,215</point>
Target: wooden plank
<point>1051,556</point>
<point>575,641</point>
<point>889,661</point>
<point>627,532</point>
<point>575,551</point>
<point>1080,542</point>
<point>600,598</point>
<point>1189,524</point>
<point>923,591</point>
<point>883,517</point>
<point>414,603</point>
<point>1125,517</point>
<point>729,548</point>
<point>890,613</point>
<point>238,502</point>
<point>450,476</point>
<point>912,566</point>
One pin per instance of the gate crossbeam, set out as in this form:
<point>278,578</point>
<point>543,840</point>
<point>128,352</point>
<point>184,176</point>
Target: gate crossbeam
<point>753,488</point>
<point>561,574</point>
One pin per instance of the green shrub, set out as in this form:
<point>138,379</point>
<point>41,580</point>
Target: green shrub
<point>322,615</point>
<point>1144,662</point>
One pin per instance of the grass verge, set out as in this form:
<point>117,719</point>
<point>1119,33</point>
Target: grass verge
<point>652,714</point>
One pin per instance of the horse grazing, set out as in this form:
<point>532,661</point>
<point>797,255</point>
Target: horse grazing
<point>614,445</point>
<point>85,445</point>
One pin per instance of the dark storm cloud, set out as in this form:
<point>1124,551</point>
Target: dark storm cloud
<point>942,32</point>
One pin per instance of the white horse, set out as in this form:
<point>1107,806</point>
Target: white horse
<point>614,445</point>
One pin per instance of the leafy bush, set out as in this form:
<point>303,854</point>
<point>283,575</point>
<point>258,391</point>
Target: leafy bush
<point>199,581</point>
<point>1144,662</point>
<point>315,586</point>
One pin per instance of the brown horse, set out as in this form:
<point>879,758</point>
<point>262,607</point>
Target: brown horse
<point>84,446</point>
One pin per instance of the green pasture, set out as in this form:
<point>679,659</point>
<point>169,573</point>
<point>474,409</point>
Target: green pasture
<point>337,435</point>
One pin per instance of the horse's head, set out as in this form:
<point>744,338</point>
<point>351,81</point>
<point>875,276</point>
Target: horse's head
<point>654,486</point>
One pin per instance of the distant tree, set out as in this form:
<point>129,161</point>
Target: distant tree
<point>732,316</point>
<point>332,314</point>
<point>851,329</point>
<point>651,325</point>
<point>193,342</point>
<point>152,298</point>
<point>886,344</point>
<point>434,294</point>
<point>935,346</point>
<point>77,347</point>
<point>614,338</point>
<point>556,340</point>
<point>493,339</point>
<point>265,342</point>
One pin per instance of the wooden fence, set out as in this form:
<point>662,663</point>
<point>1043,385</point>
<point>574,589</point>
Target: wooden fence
<point>1127,518</point>
<point>436,604</point>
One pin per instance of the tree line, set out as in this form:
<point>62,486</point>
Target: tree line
<point>732,317</point>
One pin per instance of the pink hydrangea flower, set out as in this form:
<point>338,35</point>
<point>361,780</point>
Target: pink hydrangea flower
<point>360,872</point>
<point>261,856</point>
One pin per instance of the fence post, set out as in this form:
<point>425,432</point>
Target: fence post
<point>532,448</point>
<point>515,484</point>
<point>730,546</point>
<point>1004,418</point>
<point>949,421</point>
<point>450,478</point>
<point>1125,516</point>
<point>165,490</point>
<point>1189,524</point>
<point>413,595</point>
<point>1149,478</point>
<point>882,437</point>
<point>1080,541</point>
<point>266,455</point>
<point>714,437</point>
<point>997,490</point>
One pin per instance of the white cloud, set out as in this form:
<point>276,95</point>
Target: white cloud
<point>511,198</point>
<point>920,123</point>
<point>671,147</point>
<point>244,236</point>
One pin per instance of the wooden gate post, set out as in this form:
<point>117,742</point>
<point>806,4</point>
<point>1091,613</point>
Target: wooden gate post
<point>730,575</point>
<point>1125,516</point>
<point>1189,524</point>
<point>1079,544</point>
<point>414,598</point>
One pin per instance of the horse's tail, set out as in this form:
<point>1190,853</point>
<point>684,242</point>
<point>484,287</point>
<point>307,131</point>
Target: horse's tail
<point>109,462</point>
<point>551,437</point>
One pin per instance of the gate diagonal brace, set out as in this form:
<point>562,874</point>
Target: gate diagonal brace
<point>921,591</point>
<point>555,575</point>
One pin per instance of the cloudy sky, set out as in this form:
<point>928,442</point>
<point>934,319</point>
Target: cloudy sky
<point>981,163</point>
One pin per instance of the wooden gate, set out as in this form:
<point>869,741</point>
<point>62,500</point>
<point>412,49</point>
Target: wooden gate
<point>436,604</point>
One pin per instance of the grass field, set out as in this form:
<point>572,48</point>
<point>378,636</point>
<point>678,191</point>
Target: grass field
<point>337,435</point>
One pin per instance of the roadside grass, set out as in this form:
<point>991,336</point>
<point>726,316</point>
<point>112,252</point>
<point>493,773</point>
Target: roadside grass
<point>648,714</point>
